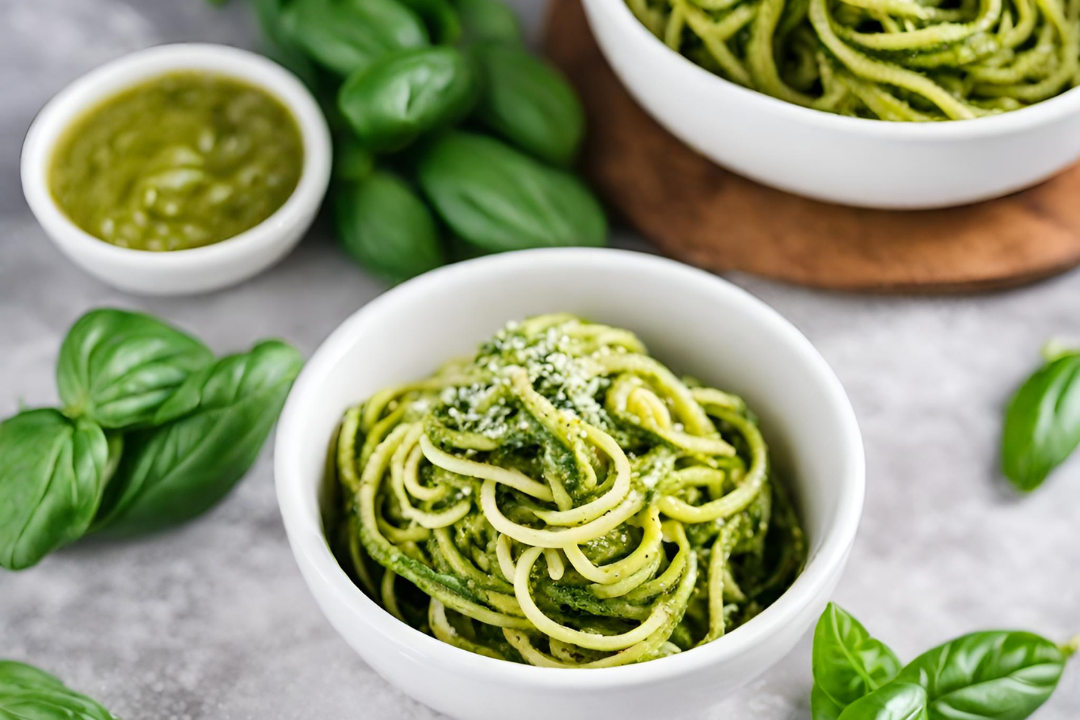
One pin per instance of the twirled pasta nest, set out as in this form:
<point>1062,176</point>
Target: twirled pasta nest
<point>913,60</point>
<point>562,499</point>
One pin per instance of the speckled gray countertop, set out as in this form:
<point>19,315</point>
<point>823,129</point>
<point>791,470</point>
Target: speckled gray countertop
<point>213,621</point>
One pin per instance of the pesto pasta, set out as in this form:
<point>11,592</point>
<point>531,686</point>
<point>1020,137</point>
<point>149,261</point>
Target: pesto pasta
<point>562,499</point>
<point>903,60</point>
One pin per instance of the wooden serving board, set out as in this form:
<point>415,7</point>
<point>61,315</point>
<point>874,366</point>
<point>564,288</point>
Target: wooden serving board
<point>703,214</point>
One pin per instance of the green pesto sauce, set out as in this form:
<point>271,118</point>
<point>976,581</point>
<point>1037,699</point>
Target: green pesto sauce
<point>185,160</point>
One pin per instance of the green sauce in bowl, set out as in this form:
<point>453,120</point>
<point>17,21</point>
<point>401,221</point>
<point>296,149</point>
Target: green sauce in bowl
<point>184,160</point>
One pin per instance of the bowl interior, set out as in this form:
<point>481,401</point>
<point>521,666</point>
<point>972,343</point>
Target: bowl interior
<point>692,321</point>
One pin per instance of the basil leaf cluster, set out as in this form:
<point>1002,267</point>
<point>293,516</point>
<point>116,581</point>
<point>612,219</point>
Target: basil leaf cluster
<point>1042,423</point>
<point>994,675</point>
<point>33,694</point>
<point>410,88</point>
<point>153,432</point>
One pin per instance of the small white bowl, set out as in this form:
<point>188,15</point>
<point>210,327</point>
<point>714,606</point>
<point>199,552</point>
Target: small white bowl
<point>693,321</point>
<point>853,161</point>
<point>198,269</point>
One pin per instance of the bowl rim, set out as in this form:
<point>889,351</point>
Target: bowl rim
<point>313,553</point>
<point>1014,121</point>
<point>127,71</point>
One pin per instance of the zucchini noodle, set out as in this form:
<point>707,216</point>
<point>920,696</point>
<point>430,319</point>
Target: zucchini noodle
<point>562,499</point>
<point>901,60</point>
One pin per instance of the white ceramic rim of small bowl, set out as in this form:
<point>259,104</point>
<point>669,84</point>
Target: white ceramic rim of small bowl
<point>306,536</point>
<point>1067,103</point>
<point>130,70</point>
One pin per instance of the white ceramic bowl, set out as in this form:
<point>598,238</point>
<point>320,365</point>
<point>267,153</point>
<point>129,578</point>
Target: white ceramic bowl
<point>695,322</point>
<point>868,163</point>
<point>199,269</point>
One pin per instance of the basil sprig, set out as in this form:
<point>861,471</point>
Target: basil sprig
<point>26,692</point>
<point>995,675</point>
<point>1042,423</point>
<point>154,432</point>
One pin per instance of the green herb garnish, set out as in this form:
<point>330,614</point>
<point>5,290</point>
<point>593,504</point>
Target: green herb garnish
<point>153,432</point>
<point>1042,423</point>
<point>993,675</point>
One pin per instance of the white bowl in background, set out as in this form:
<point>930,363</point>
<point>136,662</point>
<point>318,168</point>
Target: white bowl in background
<point>853,161</point>
<point>694,322</point>
<point>195,270</point>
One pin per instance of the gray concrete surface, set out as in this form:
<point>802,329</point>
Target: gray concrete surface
<point>213,621</point>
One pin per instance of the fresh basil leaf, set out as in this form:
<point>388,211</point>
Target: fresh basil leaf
<point>847,662</point>
<point>823,707</point>
<point>234,379</point>
<point>530,103</point>
<point>996,675</point>
<point>209,434</point>
<point>14,674</point>
<point>1042,423</point>
<point>386,227</point>
<point>348,35</point>
<point>894,701</point>
<point>411,93</point>
<point>52,471</point>
<point>498,198</point>
<point>27,693</point>
<point>118,367</point>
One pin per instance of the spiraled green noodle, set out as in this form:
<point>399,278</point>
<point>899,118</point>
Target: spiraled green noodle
<point>906,60</point>
<point>562,499</point>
